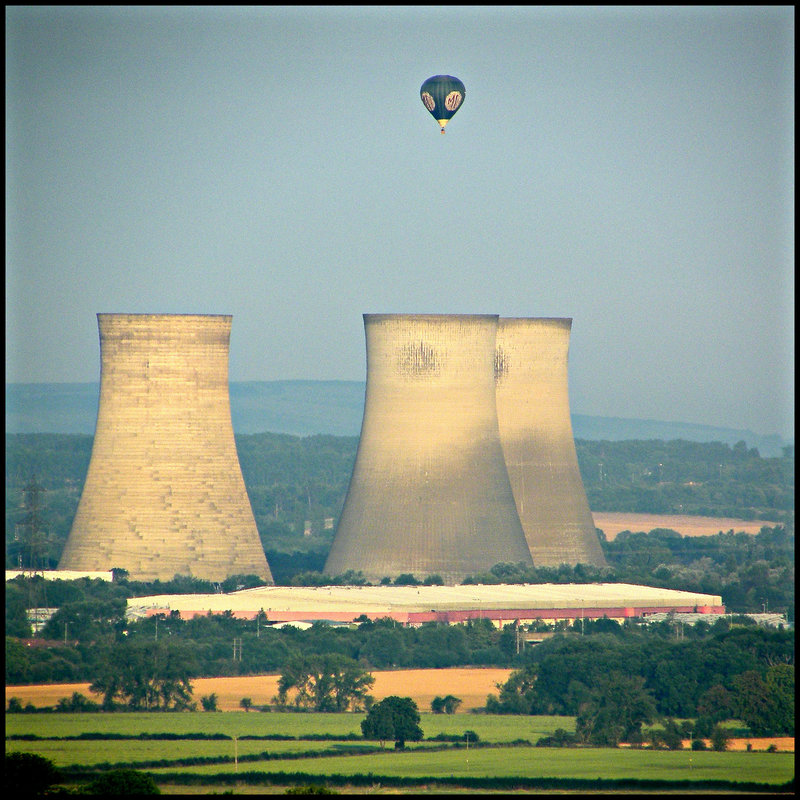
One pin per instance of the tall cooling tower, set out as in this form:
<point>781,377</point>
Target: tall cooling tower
<point>164,493</point>
<point>429,493</point>
<point>536,434</point>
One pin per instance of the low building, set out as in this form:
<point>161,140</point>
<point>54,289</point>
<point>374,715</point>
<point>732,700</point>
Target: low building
<point>765,620</point>
<point>415,605</point>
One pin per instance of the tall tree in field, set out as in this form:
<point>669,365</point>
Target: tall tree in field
<point>379,724</point>
<point>331,682</point>
<point>393,717</point>
<point>146,677</point>
<point>445,705</point>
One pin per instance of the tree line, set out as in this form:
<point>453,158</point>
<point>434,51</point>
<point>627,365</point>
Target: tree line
<point>682,477</point>
<point>616,678</point>
<point>297,485</point>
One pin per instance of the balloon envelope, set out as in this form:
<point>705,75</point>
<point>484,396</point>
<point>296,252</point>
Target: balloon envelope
<point>442,95</point>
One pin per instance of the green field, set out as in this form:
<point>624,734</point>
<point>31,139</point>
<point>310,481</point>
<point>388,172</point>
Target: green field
<point>317,758</point>
<point>142,754</point>
<point>533,762</point>
<point>489,727</point>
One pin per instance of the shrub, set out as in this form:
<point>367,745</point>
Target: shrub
<point>77,704</point>
<point>28,774</point>
<point>560,738</point>
<point>124,781</point>
<point>14,706</point>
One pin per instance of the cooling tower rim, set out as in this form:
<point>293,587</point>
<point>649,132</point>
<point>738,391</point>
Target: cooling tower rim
<point>126,315</point>
<point>428,317</point>
<point>565,321</point>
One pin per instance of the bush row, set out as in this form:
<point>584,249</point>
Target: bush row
<point>508,783</point>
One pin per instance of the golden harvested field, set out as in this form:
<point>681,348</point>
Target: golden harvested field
<point>472,685</point>
<point>421,685</point>
<point>784,744</point>
<point>613,522</point>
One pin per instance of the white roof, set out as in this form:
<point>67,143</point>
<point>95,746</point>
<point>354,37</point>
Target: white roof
<point>60,574</point>
<point>388,599</point>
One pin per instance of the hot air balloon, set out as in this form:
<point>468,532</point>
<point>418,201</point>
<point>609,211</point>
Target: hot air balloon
<point>442,96</point>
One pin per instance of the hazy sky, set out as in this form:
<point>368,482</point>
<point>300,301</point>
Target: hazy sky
<point>631,168</point>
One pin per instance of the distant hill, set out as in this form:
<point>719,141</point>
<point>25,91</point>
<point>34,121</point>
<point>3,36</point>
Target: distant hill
<point>304,408</point>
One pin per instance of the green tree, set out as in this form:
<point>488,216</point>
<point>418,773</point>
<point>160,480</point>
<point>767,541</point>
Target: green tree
<point>780,686</point>
<point>17,623</point>
<point>385,647</point>
<point>146,677</point>
<point>717,703</point>
<point>379,723</point>
<point>670,736</point>
<point>209,702</point>
<point>752,702</point>
<point>86,620</point>
<point>28,774</point>
<point>18,662</point>
<point>406,579</point>
<point>616,710</point>
<point>77,704</point>
<point>445,705</point>
<point>246,703</point>
<point>331,682</point>
<point>517,694</point>
<point>395,717</point>
<point>719,738</point>
<point>14,706</point>
<point>766,706</point>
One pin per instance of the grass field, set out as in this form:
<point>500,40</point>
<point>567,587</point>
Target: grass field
<point>532,762</point>
<point>426,760</point>
<point>136,752</point>
<point>489,727</point>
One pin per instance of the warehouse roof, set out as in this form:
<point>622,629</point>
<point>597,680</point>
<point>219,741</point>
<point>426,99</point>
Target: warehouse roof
<point>417,604</point>
<point>60,574</point>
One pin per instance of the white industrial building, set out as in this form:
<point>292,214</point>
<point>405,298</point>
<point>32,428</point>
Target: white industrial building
<point>415,605</point>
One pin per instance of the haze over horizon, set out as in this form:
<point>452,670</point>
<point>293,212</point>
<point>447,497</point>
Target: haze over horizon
<point>628,167</point>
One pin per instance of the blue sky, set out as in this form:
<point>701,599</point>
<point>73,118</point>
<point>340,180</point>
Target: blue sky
<point>630,168</point>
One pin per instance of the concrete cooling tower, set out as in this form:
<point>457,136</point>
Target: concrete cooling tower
<point>164,492</point>
<point>429,493</point>
<point>536,435</point>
